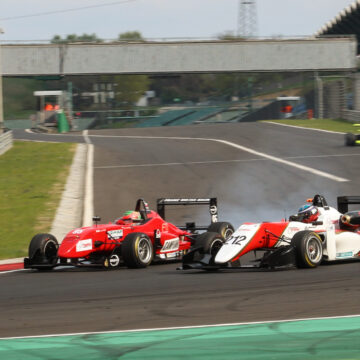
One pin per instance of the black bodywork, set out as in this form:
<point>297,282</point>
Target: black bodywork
<point>352,139</point>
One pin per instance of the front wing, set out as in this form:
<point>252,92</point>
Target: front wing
<point>280,257</point>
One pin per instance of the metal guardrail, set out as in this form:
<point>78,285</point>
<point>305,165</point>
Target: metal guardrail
<point>6,142</point>
<point>352,116</point>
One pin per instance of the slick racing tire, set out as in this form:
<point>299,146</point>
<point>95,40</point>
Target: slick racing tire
<point>209,243</point>
<point>137,250</point>
<point>43,250</point>
<point>225,229</point>
<point>308,249</point>
<point>350,139</point>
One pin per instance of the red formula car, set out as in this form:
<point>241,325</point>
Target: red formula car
<point>136,239</point>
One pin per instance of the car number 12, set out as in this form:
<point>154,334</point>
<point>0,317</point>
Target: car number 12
<point>236,240</point>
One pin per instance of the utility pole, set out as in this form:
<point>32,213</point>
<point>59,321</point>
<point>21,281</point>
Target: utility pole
<point>247,18</point>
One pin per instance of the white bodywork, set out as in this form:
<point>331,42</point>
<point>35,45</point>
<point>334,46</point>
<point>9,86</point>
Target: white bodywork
<point>337,245</point>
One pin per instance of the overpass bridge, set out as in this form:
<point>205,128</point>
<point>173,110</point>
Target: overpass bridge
<point>311,54</point>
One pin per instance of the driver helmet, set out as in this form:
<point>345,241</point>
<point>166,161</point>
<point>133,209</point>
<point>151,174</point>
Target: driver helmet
<point>308,213</point>
<point>131,215</point>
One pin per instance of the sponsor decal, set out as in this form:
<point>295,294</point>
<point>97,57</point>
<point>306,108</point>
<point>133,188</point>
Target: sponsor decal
<point>344,255</point>
<point>248,227</point>
<point>164,227</point>
<point>294,229</point>
<point>169,245</point>
<point>172,255</point>
<point>115,234</point>
<point>77,231</point>
<point>84,245</point>
<point>213,209</point>
<point>157,234</point>
<point>182,200</point>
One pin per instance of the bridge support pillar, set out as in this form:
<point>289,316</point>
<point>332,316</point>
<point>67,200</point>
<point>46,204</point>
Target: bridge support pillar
<point>319,96</point>
<point>356,91</point>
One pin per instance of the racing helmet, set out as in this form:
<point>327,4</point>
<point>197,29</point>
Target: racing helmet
<point>308,213</point>
<point>130,216</point>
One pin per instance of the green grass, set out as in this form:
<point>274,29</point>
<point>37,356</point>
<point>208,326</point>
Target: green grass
<point>324,124</point>
<point>32,178</point>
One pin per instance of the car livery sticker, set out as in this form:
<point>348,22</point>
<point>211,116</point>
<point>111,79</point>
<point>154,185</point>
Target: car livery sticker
<point>84,245</point>
<point>170,245</point>
<point>344,255</point>
<point>77,231</point>
<point>115,234</point>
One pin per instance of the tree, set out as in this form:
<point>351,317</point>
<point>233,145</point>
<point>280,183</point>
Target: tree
<point>128,89</point>
<point>73,38</point>
<point>228,35</point>
<point>130,35</point>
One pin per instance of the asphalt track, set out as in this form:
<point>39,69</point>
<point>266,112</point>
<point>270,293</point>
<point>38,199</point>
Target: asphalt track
<point>249,187</point>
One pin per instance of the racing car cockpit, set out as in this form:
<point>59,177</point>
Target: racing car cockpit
<point>310,212</point>
<point>134,217</point>
<point>307,214</point>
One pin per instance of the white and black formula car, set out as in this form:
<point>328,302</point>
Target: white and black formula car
<point>317,233</point>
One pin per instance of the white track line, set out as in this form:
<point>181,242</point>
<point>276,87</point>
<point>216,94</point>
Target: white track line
<point>285,162</point>
<point>176,164</point>
<point>181,327</point>
<point>217,161</point>
<point>304,128</point>
<point>11,271</point>
<point>89,183</point>
<point>242,148</point>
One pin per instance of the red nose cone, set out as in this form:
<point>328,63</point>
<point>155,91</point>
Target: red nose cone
<point>75,248</point>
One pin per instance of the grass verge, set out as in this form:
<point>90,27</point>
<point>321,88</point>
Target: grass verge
<point>323,124</point>
<point>32,179</point>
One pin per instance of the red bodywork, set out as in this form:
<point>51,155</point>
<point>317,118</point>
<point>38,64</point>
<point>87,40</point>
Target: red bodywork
<point>267,236</point>
<point>82,242</point>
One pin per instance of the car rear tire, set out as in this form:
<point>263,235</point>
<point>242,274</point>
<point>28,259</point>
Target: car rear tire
<point>209,243</point>
<point>308,249</point>
<point>137,250</point>
<point>350,139</point>
<point>43,250</point>
<point>225,229</point>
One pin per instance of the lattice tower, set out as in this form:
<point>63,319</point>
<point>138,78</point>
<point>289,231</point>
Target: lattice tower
<point>247,18</point>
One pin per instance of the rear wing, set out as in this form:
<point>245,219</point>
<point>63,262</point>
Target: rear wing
<point>343,202</point>
<point>212,202</point>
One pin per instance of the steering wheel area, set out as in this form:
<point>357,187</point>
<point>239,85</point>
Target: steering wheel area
<point>143,208</point>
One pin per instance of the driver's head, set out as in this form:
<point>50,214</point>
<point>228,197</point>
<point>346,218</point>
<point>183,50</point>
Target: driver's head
<point>308,213</point>
<point>130,216</point>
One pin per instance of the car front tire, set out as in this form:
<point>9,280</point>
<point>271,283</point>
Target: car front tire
<point>43,251</point>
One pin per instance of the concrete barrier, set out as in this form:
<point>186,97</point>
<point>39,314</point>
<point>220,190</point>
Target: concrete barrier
<point>6,142</point>
<point>352,116</point>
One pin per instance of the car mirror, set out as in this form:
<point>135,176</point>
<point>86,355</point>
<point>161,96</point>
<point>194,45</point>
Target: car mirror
<point>317,223</point>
